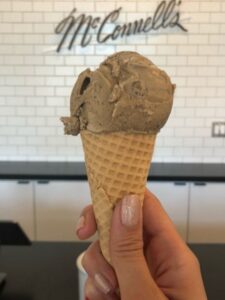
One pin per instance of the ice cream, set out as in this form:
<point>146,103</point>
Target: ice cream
<point>118,110</point>
<point>126,93</point>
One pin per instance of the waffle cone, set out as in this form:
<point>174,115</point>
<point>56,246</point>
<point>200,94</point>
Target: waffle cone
<point>117,164</point>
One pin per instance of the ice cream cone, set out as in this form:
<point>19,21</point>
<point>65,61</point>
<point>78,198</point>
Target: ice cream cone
<point>118,109</point>
<point>117,164</point>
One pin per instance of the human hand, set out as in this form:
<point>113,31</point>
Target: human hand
<point>149,259</point>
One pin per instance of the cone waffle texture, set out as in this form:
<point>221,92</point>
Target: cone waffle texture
<point>117,164</point>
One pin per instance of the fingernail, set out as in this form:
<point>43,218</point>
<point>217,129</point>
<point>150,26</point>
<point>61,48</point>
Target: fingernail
<point>86,298</point>
<point>80,224</point>
<point>102,283</point>
<point>130,212</point>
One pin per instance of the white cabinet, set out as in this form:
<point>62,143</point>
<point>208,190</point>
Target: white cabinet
<point>16,204</point>
<point>174,198</point>
<point>58,205</point>
<point>207,213</point>
<point>49,210</point>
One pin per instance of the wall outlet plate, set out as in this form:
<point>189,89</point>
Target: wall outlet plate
<point>218,129</point>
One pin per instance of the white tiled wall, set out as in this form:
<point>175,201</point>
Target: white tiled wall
<point>35,81</point>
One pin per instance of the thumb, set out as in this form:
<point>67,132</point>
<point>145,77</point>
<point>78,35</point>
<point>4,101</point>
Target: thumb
<point>126,250</point>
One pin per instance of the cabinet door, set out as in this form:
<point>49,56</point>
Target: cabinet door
<point>207,213</point>
<point>174,198</point>
<point>16,204</point>
<point>58,207</point>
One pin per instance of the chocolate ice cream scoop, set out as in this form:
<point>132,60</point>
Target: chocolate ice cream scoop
<point>127,93</point>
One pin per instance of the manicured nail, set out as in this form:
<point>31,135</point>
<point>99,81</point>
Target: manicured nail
<point>86,298</point>
<point>80,224</point>
<point>102,283</point>
<point>130,212</point>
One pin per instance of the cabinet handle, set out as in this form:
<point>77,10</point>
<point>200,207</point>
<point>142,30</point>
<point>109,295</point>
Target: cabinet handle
<point>23,181</point>
<point>180,183</point>
<point>43,181</point>
<point>200,183</point>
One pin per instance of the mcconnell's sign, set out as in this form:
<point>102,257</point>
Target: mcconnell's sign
<point>166,15</point>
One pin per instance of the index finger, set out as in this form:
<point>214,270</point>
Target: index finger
<point>86,225</point>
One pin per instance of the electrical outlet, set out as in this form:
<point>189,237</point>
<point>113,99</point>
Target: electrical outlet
<point>218,129</point>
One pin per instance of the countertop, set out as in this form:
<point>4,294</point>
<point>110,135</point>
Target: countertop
<point>47,271</point>
<point>76,171</point>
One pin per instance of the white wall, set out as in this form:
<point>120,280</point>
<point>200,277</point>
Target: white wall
<point>35,81</point>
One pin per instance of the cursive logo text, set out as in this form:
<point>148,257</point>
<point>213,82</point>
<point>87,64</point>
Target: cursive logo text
<point>166,15</point>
